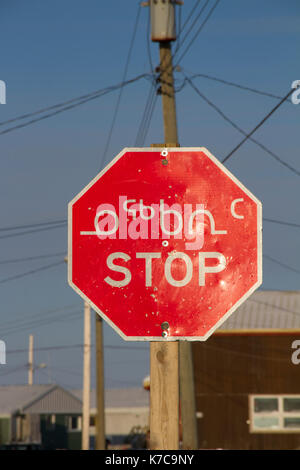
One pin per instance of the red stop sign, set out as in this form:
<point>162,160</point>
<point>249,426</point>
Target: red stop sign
<point>165,243</point>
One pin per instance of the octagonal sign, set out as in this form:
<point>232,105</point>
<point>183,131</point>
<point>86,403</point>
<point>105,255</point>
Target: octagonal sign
<point>165,243</point>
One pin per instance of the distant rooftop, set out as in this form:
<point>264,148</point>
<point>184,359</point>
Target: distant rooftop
<point>55,399</point>
<point>37,399</point>
<point>267,310</point>
<point>120,397</point>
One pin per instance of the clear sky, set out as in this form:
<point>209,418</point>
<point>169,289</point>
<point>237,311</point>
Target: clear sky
<point>52,51</point>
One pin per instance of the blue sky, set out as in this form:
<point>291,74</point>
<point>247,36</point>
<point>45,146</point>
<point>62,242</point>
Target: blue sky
<point>54,51</point>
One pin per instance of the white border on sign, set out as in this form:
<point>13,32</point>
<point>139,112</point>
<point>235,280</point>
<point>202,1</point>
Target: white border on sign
<point>259,244</point>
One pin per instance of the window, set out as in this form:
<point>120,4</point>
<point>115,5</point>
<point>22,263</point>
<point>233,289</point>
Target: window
<point>50,421</point>
<point>274,413</point>
<point>92,421</point>
<point>74,423</point>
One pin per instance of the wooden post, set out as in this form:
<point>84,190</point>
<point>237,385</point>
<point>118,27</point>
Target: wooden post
<point>164,396</point>
<point>100,416</point>
<point>30,361</point>
<point>85,437</point>
<point>168,92</point>
<point>164,356</point>
<point>187,397</point>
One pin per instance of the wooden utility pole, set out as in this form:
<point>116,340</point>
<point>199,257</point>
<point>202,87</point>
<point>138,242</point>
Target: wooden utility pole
<point>85,441</point>
<point>187,397</point>
<point>169,382</point>
<point>86,388</point>
<point>164,356</point>
<point>100,416</point>
<point>168,94</point>
<point>164,396</point>
<point>30,361</point>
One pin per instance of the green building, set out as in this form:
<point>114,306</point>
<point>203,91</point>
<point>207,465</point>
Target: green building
<point>51,416</point>
<point>39,414</point>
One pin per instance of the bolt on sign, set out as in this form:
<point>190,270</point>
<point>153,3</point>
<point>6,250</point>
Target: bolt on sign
<point>165,243</point>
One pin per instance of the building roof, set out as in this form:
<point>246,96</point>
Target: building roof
<point>53,399</point>
<point>120,397</point>
<point>37,399</point>
<point>266,310</point>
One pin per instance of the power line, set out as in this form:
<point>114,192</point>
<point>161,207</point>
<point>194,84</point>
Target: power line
<point>151,100</point>
<point>15,369</point>
<point>247,136</point>
<point>227,82</point>
<point>27,232</point>
<point>196,4</point>
<point>198,31</point>
<point>95,93</point>
<point>141,126</point>
<point>283,265</point>
<point>40,315</point>
<point>109,346</point>
<point>55,106</point>
<point>74,346</point>
<point>54,113</point>
<point>149,118</point>
<point>46,348</point>
<point>33,271</point>
<point>281,222</point>
<point>147,115</point>
<point>38,224</point>
<point>38,322</point>
<point>63,370</point>
<point>46,321</point>
<point>180,27</point>
<point>148,44</point>
<point>66,108</point>
<point>257,127</point>
<point>121,88</point>
<point>31,258</point>
<point>192,25</point>
<point>237,85</point>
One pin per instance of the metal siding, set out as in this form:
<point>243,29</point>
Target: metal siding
<point>14,397</point>
<point>228,369</point>
<point>55,402</point>
<point>5,430</point>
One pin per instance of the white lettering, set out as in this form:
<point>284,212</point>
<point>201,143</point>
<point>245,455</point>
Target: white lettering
<point>148,265</point>
<point>203,269</point>
<point>168,212</point>
<point>169,265</point>
<point>105,222</point>
<point>232,208</point>
<point>168,269</point>
<point>133,212</point>
<point>119,269</point>
<point>142,208</point>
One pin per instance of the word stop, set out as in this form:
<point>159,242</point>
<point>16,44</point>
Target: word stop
<point>149,258</point>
